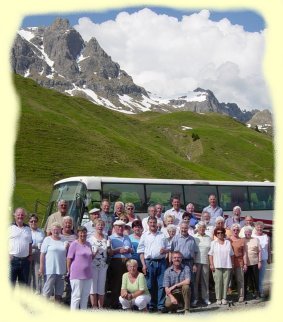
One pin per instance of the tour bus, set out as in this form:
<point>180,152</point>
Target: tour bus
<point>86,192</point>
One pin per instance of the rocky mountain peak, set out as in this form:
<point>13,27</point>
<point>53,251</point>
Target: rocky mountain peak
<point>59,24</point>
<point>57,57</point>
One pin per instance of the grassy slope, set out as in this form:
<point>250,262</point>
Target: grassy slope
<point>61,136</point>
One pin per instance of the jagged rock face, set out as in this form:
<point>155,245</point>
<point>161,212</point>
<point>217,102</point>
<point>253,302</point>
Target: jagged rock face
<point>57,57</point>
<point>262,121</point>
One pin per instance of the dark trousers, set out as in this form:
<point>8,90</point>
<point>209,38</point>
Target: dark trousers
<point>190,263</point>
<point>19,270</point>
<point>154,280</point>
<point>117,267</point>
<point>251,278</point>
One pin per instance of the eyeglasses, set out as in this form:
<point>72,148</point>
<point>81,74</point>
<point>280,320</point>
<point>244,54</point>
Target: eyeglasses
<point>236,230</point>
<point>31,221</point>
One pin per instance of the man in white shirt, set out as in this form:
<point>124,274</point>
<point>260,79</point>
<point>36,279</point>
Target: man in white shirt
<point>20,248</point>
<point>153,247</point>
<point>176,211</point>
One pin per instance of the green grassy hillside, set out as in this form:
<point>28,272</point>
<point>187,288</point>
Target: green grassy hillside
<point>61,136</point>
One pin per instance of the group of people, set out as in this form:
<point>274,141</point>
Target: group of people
<point>165,262</point>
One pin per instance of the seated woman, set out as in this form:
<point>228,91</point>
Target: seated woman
<point>134,289</point>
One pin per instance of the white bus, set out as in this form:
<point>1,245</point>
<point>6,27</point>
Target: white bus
<point>86,192</point>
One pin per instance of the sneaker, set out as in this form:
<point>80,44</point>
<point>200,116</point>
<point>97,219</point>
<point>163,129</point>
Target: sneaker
<point>194,303</point>
<point>207,302</point>
<point>218,302</point>
<point>224,301</point>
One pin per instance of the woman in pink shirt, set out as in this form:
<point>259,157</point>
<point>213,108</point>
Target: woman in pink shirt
<point>79,267</point>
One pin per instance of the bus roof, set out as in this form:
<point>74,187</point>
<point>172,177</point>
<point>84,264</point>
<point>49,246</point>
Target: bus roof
<point>93,183</point>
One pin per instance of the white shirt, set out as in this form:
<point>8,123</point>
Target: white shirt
<point>264,241</point>
<point>203,244</point>
<point>145,224</point>
<point>90,228</point>
<point>19,240</point>
<point>177,215</point>
<point>151,243</point>
<point>221,254</point>
<point>55,256</point>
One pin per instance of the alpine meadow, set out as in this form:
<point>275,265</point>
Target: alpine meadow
<point>59,136</point>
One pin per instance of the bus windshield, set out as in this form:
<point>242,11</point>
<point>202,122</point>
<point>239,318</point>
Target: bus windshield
<point>74,193</point>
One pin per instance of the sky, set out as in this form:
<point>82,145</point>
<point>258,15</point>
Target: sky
<point>171,52</point>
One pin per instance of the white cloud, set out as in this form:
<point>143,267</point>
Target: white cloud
<point>168,57</point>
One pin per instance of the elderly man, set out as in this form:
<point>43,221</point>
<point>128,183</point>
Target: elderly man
<point>90,225</point>
<point>153,247</point>
<point>107,217</point>
<point>152,212</point>
<point>176,211</point>
<point>235,218</point>
<point>190,209</point>
<point>209,230</point>
<point>121,249</point>
<point>214,210</point>
<point>20,248</point>
<point>56,216</point>
<point>186,244</point>
<point>176,282</point>
<point>248,222</point>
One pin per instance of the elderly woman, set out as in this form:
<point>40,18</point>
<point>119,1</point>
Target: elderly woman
<point>67,232</point>
<point>134,290</point>
<point>37,239</point>
<point>68,235</point>
<point>203,243</point>
<point>221,258</point>
<point>99,243</point>
<point>219,223</point>
<point>130,212</point>
<point>238,246</point>
<point>135,239</point>
<point>265,255</point>
<point>53,263</point>
<point>252,258</point>
<point>79,260</point>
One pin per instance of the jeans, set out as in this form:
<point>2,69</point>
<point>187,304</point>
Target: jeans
<point>261,274</point>
<point>154,280</point>
<point>19,270</point>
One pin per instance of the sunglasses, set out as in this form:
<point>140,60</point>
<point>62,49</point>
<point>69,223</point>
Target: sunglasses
<point>31,221</point>
<point>130,208</point>
<point>219,233</point>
